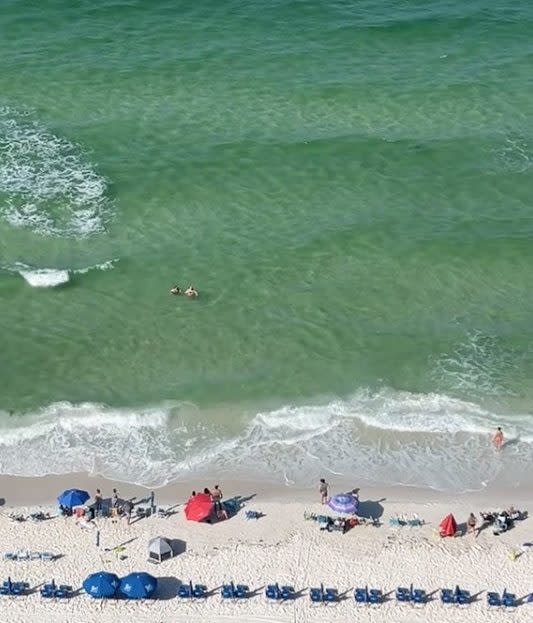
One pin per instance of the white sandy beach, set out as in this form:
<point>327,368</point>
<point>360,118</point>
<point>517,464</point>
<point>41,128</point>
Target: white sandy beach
<point>281,547</point>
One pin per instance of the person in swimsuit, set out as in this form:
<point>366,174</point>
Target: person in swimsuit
<point>216,496</point>
<point>191,292</point>
<point>323,489</point>
<point>497,439</point>
<point>175,290</point>
<point>471,524</point>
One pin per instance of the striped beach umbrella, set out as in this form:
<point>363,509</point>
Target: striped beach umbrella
<point>344,503</point>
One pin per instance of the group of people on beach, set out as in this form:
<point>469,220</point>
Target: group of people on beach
<point>216,497</point>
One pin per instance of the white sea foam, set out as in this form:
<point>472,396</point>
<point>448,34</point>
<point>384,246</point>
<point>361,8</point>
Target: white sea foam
<point>46,184</point>
<point>388,436</point>
<point>51,277</point>
<point>45,278</point>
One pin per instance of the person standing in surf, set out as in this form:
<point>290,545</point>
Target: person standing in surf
<point>497,439</point>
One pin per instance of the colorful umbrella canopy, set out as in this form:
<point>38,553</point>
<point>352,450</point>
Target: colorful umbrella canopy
<point>138,585</point>
<point>344,503</point>
<point>199,507</point>
<point>101,584</point>
<point>73,497</point>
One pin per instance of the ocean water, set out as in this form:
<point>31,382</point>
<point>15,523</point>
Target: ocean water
<point>349,186</point>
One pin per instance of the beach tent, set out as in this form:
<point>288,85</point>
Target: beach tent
<point>159,549</point>
<point>101,584</point>
<point>448,526</point>
<point>199,507</point>
<point>344,503</point>
<point>138,585</point>
<point>73,497</point>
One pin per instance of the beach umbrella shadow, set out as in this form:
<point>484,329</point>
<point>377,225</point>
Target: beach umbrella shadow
<point>371,508</point>
<point>167,587</point>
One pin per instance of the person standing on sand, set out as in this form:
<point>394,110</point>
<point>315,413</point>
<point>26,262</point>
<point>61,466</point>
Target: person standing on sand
<point>323,489</point>
<point>497,439</point>
<point>98,497</point>
<point>471,524</point>
<point>216,496</point>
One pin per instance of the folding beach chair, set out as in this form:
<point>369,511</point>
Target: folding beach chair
<point>317,594</point>
<point>272,591</point>
<point>403,594</point>
<point>494,599</point>
<point>508,599</point>
<point>331,595</point>
<point>447,596</point>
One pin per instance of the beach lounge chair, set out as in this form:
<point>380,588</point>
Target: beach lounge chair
<point>403,594</point>
<point>317,594</point>
<point>199,591</point>
<point>361,595</point>
<point>461,596</point>
<point>447,596</point>
<point>19,588</point>
<point>415,522</point>
<point>47,556</point>
<point>396,522</point>
<point>241,591</point>
<point>48,590</point>
<point>494,599</point>
<point>63,591</point>
<point>253,514</point>
<point>331,595</point>
<point>418,596</point>
<point>273,591</point>
<point>287,592</point>
<point>508,599</point>
<point>10,556</point>
<point>185,591</point>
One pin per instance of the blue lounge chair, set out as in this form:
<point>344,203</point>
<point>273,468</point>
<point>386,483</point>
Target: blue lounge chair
<point>361,595</point>
<point>418,596</point>
<point>331,595</point>
<point>241,591</point>
<point>199,591</point>
<point>317,594</point>
<point>253,514</point>
<point>48,590</point>
<point>272,591</point>
<point>461,596</point>
<point>63,591</point>
<point>403,594</point>
<point>228,591</point>
<point>375,596</point>
<point>447,596</point>
<point>19,588</point>
<point>10,556</point>
<point>185,591</point>
<point>287,592</point>
<point>494,599</point>
<point>508,599</point>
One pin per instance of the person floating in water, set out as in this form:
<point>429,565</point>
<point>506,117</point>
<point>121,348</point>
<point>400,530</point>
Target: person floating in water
<point>191,292</point>
<point>175,290</point>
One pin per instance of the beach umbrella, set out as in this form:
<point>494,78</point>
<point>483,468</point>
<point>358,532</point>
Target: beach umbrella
<point>199,507</point>
<point>138,585</point>
<point>101,584</point>
<point>73,497</point>
<point>159,549</point>
<point>344,503</point>
<point>448,526</point>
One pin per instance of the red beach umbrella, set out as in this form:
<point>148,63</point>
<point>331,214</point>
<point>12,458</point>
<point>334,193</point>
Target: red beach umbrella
<point>448,526</point>
<point>198,507</point>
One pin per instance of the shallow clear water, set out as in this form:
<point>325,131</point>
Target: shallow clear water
<point>349,187</point>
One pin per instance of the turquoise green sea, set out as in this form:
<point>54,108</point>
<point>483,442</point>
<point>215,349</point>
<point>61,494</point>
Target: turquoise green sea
<point>348,185</point>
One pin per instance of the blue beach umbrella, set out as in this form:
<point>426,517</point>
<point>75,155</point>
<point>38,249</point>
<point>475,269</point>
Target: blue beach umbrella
<point>73,497</point>
<point>138,585</point>
<point>101,584</point>
<point>344,503</point>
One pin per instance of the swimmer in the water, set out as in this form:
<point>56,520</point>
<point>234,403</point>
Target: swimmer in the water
<point>175,290</point>
<point>191,292</point>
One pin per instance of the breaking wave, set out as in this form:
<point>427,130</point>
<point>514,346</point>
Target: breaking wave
<point>383,437</point>
<point>51,277</point>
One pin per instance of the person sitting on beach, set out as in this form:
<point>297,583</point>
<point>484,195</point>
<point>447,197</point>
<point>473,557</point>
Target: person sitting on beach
<point>175,290</point>
<point>471,523</point>
<point>191,292</point>
<point>497,439</point>
<point>206,491</point>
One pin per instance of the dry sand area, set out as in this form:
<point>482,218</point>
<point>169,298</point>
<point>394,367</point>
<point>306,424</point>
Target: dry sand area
<point>280,547</point>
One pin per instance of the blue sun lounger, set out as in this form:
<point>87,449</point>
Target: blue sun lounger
<point>458,596</point>
<point>323,595</point>
<point>366,596</point>
<point>13,588</point>
<point>415,595</point>
<point>234,591</point>
<point>277,592</point>
<point>190,591</point>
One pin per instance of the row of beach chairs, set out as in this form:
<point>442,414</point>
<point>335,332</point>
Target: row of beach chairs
<point>398,521</point>
<point>48,590</point>
<point>24,555</point>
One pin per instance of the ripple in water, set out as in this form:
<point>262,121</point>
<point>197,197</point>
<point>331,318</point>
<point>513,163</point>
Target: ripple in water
<point>46,184</point>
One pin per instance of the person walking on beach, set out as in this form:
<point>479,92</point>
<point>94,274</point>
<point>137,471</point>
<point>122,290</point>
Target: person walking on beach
<point>114,499</point>
<point>323,489</point>
<point>98,497</point>
<point>497,439</point>
<point>471,524</point>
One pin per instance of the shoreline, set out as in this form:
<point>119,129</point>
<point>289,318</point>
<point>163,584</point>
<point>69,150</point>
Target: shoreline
<point>18,491</point>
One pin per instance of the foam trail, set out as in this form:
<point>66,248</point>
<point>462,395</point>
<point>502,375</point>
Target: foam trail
<point>45,278</point>
<point>46,184</point>
<point>52,277</point>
